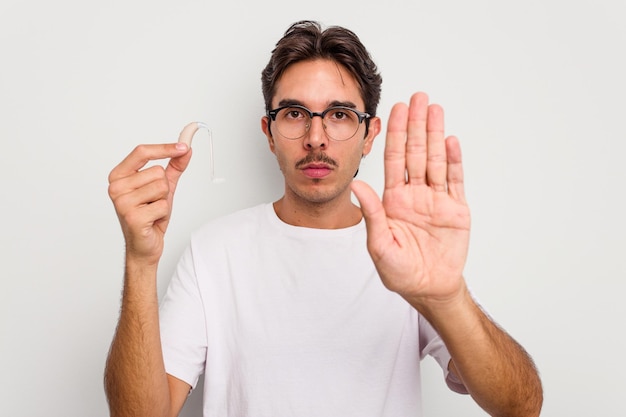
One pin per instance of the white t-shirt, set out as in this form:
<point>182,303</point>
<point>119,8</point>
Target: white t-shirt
<point>292,321</point>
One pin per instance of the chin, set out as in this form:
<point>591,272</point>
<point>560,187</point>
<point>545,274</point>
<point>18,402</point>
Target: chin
<point>316,193</point>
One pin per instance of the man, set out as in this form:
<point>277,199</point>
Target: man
<point>312,306</point>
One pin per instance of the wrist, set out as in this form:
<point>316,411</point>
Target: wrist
<point>139,269</point>
<point>141,261</point>
<point>455,310</point>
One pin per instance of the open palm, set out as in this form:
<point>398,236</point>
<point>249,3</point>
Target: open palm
<point>418,235</point>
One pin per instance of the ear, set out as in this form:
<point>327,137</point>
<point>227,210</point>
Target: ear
<point>265,127</point>
<point>373,131</point>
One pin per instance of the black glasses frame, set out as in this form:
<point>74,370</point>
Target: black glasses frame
<point>360,115</point>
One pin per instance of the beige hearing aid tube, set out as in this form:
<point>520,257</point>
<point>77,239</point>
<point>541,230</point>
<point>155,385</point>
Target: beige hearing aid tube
<point>186,135</point>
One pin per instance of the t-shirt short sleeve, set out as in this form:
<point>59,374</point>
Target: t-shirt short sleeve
<point>432,345</point>
<point>183,331</point>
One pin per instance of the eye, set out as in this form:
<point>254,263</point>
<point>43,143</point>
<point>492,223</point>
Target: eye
<point>293,113</point>
<point>341,115</point>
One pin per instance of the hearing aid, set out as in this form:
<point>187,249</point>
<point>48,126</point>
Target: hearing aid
<point>186,136</point>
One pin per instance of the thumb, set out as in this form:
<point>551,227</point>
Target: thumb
<point>177,165</point>
<point>372,209</point>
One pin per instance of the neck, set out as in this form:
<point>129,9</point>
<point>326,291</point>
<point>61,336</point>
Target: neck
<point>327,215</point>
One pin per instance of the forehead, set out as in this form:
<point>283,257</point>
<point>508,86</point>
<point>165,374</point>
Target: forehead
<point>316,84</point>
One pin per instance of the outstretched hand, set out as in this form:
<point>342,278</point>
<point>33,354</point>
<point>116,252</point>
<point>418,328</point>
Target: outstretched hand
<point>143,197</point>
<point>418,235</point>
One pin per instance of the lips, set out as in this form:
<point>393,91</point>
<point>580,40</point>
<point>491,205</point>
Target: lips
<point>316,170</point>
<point>316,165</point>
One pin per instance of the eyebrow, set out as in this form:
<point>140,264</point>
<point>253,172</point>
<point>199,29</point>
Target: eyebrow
<point>294,102</point>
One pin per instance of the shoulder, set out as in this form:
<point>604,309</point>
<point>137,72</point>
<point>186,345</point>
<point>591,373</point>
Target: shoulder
<point>242,222</point>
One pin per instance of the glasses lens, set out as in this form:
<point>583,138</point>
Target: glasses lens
<point>341,123</point>
<point>292,122</point>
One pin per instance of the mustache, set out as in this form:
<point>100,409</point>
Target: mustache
<point>316,157</point>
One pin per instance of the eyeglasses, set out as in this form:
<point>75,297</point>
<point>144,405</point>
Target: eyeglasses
<point>340,122</point>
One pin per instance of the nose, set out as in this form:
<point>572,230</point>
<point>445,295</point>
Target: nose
<point>316,135</point>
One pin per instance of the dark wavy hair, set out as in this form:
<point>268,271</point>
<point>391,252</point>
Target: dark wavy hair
<point>306,40</point>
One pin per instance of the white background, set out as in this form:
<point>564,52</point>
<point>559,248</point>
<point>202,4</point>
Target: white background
<point>534,89</point>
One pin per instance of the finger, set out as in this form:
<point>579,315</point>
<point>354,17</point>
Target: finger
<point>416,146</point>
<point>456,187</point>
<point>144,217</point>
<point>147,186</point>
<point>437,162</point>
<point>143,154</point>
<point>145,194</point>
<point>137,180</point>
<point>395,146</point>
<point>373,212</point>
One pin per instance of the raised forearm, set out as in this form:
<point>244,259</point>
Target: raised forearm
<point>135,380</point>
<point>495,369</point>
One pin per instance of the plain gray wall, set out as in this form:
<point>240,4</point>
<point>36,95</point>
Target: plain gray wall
<point>534,89</point>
